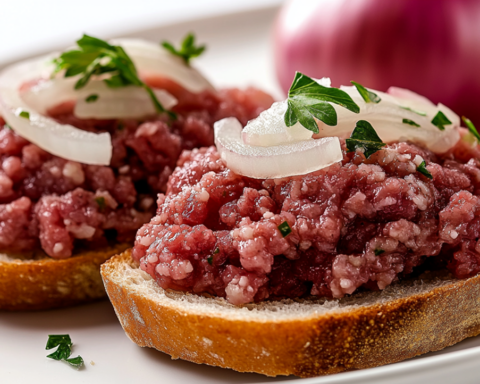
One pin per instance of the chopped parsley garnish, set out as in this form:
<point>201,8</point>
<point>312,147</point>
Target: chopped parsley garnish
<point>285,229</point>
<point>101,203</point>
<point>91,98</point>
<point>365,138</point>
<point>379,251</point>
<point>187,50</point>
<point>410,122</point>
<point>308,100</point>
<point>24,114</point>
<point>471,128</point>
<point>6,126</point>
<point>423,170</point>
<point>97,57</point>
<point>367,95</point>
<point>210,258</point>
<point>64,350</point>
<point>421,113</point>
<point>440,120</point>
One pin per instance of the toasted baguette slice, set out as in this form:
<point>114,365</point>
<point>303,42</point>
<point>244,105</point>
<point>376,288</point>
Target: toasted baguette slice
<point>304,338</point>
<point>36,281</point>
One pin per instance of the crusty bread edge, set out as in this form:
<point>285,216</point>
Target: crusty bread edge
<point>327,342</point>
<point>48,283</point>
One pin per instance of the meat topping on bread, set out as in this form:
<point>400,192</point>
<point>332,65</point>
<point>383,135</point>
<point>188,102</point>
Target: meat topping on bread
<point>362,223</point>
<point>56,204</point>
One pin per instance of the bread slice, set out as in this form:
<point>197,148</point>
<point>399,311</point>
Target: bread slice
<point>304,338</point>
<point>36,281</point>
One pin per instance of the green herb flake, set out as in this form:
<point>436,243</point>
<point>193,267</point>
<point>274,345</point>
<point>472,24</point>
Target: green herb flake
<point>101,203</point>
<point>91,98</point>
<point>24,114</point>
<point>187,50</point>
<point>423,170</point>
<point>285,229</point>
<point>308,100</point>
<point>379,251</point>
<point>410,122</point>
<point>120,126</point>
<point>210,258</point>
<point>367,95</point>
<point>471,128</point>
<point>64,350</point>
<point>440,120</point>
<point>420,113</point>
<point>6,126</point>
<point>365,138</point>
<point>96,57</point>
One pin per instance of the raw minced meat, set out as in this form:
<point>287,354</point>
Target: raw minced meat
<point>56,204</point>
<point>362,223</point>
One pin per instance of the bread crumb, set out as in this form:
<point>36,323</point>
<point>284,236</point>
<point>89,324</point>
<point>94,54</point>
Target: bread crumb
<point>92,362</point>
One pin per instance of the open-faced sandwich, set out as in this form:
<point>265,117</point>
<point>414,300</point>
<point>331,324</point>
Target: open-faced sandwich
<point>339,230</point>
<point>88,138</point>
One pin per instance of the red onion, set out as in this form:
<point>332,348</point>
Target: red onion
<point>429,46</point>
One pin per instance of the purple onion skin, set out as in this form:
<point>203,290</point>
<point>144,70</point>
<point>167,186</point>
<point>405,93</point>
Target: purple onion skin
<point>428,46</point>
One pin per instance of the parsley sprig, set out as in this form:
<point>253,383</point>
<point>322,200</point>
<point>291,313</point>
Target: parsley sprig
<point>308,100</point>
<point>97,57</point>
<point>64,350</point>
<point>187,50</point>
<point>365,138</point>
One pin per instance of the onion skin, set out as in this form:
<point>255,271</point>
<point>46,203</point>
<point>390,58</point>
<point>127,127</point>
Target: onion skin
<point>429,46</point>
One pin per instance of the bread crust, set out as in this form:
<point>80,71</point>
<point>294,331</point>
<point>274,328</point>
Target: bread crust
<point>355,337</point>
<point>45,283</point>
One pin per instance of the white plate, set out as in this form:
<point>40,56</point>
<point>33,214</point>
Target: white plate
<point>239,53</point>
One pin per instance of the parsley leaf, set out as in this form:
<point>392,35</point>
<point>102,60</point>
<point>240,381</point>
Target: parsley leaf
<point>187,50</point>
<point>308,99</point>
<point>21,113</point>
<point>364,137</point>
<point>410,122</point>
<point>64,350</point>
<point>91,98</point>
<point>440,120</point>
<point>421,113</point>
<point>367,95</point>
<point>379,251</point>
<point>97,57</point>
<point>423,170</point>
<point>101,203</point>
<point>284,229</point>
<point>471,128</point>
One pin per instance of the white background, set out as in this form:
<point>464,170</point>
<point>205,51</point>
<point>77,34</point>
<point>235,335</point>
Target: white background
<point>28,27</point>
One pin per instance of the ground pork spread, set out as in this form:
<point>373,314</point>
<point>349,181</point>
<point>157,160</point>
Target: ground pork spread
<point>55,204</point>
<point>359,224</point>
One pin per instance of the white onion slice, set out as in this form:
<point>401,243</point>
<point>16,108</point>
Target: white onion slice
<point>275,161</point>
<point>269,128</point>
<point>125,102</point>
<point>62,140</point>
<point>48,93</point>
<point>151,58</point>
